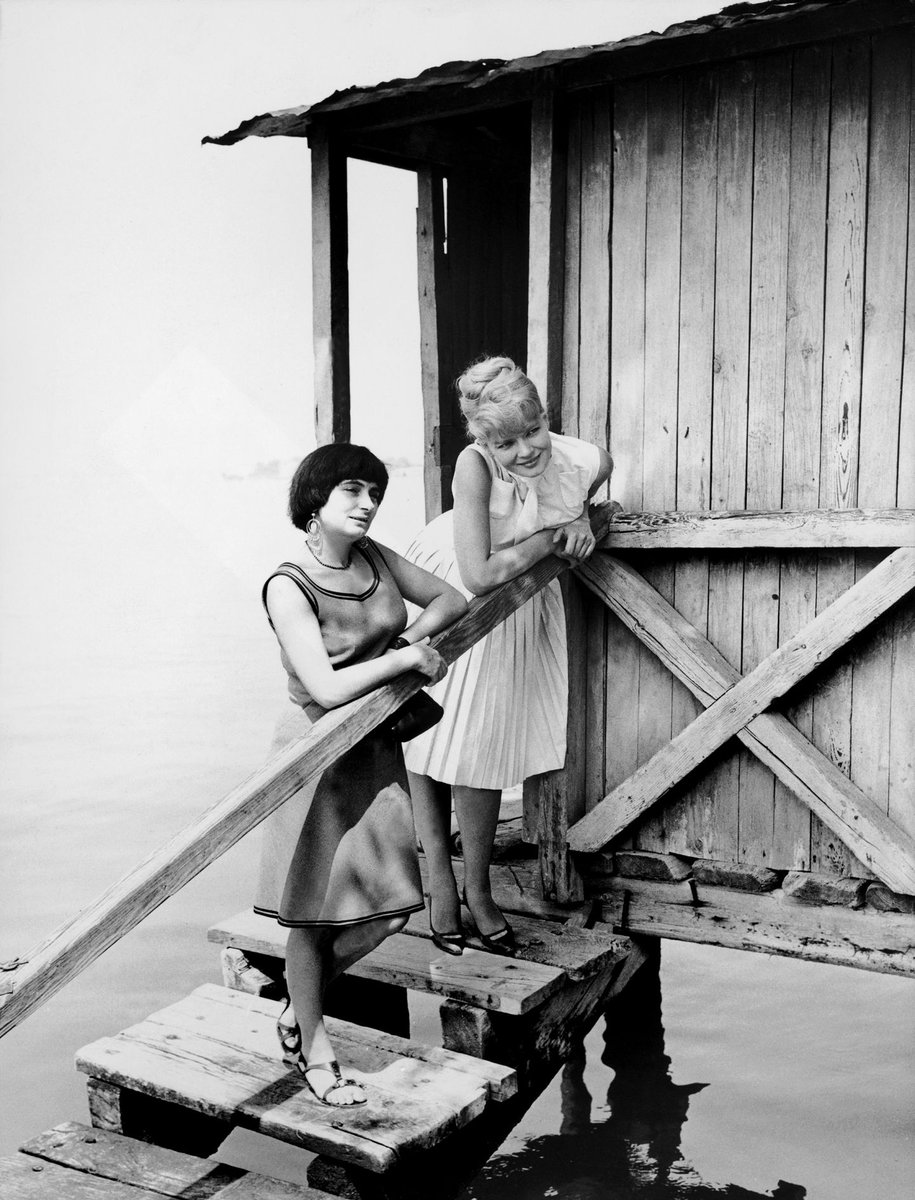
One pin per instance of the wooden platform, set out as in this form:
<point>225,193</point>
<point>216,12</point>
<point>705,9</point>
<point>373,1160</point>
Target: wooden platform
<point>75,1162</point>
<point>215,1053</point>
<point>549,955</point>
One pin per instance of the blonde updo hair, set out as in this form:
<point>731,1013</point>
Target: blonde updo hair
<point>497,399</point>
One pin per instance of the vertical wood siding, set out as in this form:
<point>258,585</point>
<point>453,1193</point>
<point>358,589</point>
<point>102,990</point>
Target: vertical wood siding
<point>664,146</point>
<point>739,261</point>
<point>902,710</point>
<point>843,327</point>
<point>586,373</point>
<point>766,424</point>
<point>689,819</point>
<point>627,394</point>
<point>881,390</point>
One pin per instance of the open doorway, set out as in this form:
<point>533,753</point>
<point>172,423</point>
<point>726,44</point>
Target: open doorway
<point>385,369</point>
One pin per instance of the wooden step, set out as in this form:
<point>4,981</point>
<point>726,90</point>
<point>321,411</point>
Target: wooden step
<point>215,1053</point>
<point>549,954</point>
<point>576,953</point>
<point>74,1162</point>
<point>483,980</point>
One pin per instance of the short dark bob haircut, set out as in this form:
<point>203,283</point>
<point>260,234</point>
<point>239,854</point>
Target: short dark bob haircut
<point>319,473</point>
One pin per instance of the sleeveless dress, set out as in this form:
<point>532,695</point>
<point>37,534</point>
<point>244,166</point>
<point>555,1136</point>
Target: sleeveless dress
<point>506,699</point>
<point>342,849</point>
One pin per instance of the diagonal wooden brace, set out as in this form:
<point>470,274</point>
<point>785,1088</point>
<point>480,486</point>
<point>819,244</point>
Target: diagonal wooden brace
<point>839,803</point>
<point>843,807</point>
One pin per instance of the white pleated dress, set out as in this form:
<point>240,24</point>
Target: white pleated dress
<point>506,699</point>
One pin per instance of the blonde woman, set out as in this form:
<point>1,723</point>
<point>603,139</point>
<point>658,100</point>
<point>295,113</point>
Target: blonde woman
<point>520,493</point>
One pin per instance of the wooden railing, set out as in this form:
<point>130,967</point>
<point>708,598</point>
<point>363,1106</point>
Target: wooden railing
<point>73,947</point>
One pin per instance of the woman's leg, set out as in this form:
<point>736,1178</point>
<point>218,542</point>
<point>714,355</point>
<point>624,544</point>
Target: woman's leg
<point>309,959</point>
<point>477,811</point>
<point>354,942</point>
<point>432,817</point>
<point>313,958</point>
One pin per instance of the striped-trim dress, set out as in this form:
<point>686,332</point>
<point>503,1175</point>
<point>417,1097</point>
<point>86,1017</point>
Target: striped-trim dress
<point>342,850</point>
<point>506,699</point>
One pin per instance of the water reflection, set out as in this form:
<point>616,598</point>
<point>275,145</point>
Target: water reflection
<point>629,1147</point>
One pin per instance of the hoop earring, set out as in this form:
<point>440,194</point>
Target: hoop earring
<point>313,533</point>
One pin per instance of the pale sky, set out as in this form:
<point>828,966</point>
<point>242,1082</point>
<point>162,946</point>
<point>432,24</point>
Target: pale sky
<point>155,298</point>
<point>125,245</point>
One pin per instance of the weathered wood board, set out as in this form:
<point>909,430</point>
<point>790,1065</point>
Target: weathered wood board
<point>22,1178</point>
<point>215,1053</point>
<point>548,946</point>
<point>484,980</point>
<point>768,923</point>
<point>688,821</point>
<point>330,290</point>
<point>96,1155</point>
<point>759,528</point>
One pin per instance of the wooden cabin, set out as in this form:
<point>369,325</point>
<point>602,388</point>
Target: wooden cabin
<point>700,243</point>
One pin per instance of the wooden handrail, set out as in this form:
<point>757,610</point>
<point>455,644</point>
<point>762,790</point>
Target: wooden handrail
<point>80,941</point>
<point>782,529</point>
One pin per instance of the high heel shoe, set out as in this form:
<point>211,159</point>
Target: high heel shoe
<point>290,1037</point>
<point>450,943</point>
<point>500,941</point>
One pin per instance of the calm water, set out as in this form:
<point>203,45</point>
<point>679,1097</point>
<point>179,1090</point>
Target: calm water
<point>139,683</point>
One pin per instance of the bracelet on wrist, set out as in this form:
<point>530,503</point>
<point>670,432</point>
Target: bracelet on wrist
<point>399,643</point>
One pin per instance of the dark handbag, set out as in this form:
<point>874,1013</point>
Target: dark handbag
<point>414,717</point>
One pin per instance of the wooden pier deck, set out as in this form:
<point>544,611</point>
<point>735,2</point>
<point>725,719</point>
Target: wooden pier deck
<point>166,1092</point>
<point>215,1053</point>
<point>548,957</point>
<point>78,1162</point>
<point>191,1072</point>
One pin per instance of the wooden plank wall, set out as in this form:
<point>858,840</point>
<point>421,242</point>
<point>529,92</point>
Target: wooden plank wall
<point>738,252</point>
<point>585,367</point>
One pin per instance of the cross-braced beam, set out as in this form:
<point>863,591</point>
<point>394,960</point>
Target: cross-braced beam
<point>735,707</point>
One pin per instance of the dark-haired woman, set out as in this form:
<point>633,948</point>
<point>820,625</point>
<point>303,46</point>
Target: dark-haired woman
<point>339,865</point>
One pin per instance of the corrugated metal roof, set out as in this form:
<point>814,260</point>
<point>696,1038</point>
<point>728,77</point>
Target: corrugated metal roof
<point>483,73</point>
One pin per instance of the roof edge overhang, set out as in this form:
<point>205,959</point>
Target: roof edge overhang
<point>463,87</point>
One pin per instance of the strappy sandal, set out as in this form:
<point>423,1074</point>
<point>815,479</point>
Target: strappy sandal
<point>332,1068</point>
<point>290,1036</point>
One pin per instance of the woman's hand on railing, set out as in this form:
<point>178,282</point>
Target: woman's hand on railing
<point>575,541</point>
<point>426,660</point>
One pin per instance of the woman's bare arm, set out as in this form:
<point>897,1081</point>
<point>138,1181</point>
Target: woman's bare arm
<point>604,471</point>
<point>482,568</point>
<point>441,603</point>
<point>300,636</point>
<point>575,541</point>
